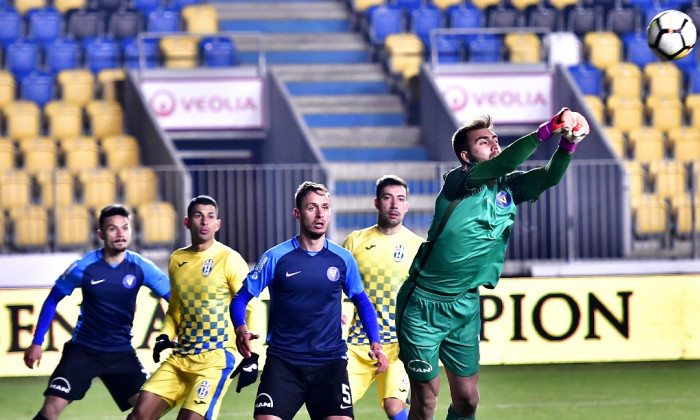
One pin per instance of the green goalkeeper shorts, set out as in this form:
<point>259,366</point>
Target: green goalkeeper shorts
<point>433,327</point>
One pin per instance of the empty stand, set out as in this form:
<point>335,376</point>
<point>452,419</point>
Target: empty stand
<point>179,52</point>
<point>423,20</point>
<point>109,81</point>
<point>139,185</point>
<point>64,54</point>
<point>73,227</point>
<point>384,21</point>
<point>163,20</point>
<point>217,51</point>
<point>624,79</point>
<point>650,216</point>
<point>38,88</point>
<point>404,54</point>
<point>10,26</point>
<point>23,6</point>
<point>596,107</point>
<point>102,53</point>
<point>23,119</point>
<point>485,48</point>
<point>80,153</point>
<point>57,187</point>
<point>84,24</point>
<point>7,154</point>
<point>45,26</point>
<point>99,187</point>
<point>603,48</point>
<point>503,17</point>
<point>663,78</point>
<point>22,58</point>
<point>669,179</point>
<point>625,113</point>
<point>617,141</point>
<point>664,112</point>
<point>588,78</point>
<point>15,189</point>
<point>563,48</point>
<point>40,153</point>
<point>65,120</point>
<point>692,107</point>
<point>544,17</point>
<point>647,143</point>
<point>523,47</point>
<point>685,142</point>
<point>30,227</point>
<point>623,20</point>
<point>76,86</point>
<point>157,222</point>
<point>583,20</point>
<point>134,49</point>
<point>125,24</point>
<point>637,49</point>
<point>64,6</point>
<point>200,19</point>
<point>106,118</point>
<point>121,151</point>
<point>7,88</point>
<point>686,214</point>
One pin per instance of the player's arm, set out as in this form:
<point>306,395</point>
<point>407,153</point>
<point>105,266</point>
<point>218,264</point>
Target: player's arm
<point>155,279</point>
<point>168,332</point>
<point>48,310</point>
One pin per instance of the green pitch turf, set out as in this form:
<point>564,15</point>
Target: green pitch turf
<point>609,391</point>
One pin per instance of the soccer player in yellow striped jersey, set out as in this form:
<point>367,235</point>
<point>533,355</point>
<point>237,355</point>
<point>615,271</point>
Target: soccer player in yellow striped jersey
<point>204,278</point>
<point>383,253</point>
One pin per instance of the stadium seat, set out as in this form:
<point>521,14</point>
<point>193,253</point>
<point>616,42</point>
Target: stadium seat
<point>692,109</point>
<point>147,6</point>
<point>80,153</point>
<point>139,185</point>
<point>603,49</point>
<point>683,216</point>
<point>485,48</point>
<point>84,24</point>
<point>485,4</point>
<point>637,179</point>
<point>22,59</point>
<point>132,48</point>
<point>65,120</point>
<point>105,118</point>
<point>7,88</point>
<point>109,81</point>
<point>65,6</point>
<point>503,17</point>
<point>404,54</point>
<point>651,216</point>
<point>15,189</point>
<point>422,21</point>
<point>121,151</point>
<point>544,17</point>
<point>596,107</point>
<point>57,187</point>
<point>109,6</point>
<point>10,27</point>
<point>163,20</point>
<point>64,54</point>
<point>38,88</point>
<point>664,112</point>
<point>125,24</point>
<point>217,51</point>
<point>73,227</point>
<point>624,79</point>
<point>200,18</point>
<point>23,119</point>
<point>563,48</point>
<point>685,143</point>
<point>407,6</point>
<point>99,187</point>
<point>522,47</point>
<point>30,225</point>
<point>39,154</point>
<point>623,20</point>
<point>157,221</point>
<point>663,78</point>
<point>583,20</point>
<point>669,178</point>
<point>446,5</point>
<point>625,113</point>
<point>101,53</point>
<point>362,7</point>
<point>588,78</point>
<point>23,6</point>
<point>384,21</point>
<point>180,52</point>
<point>45,26</point>
<point>617,141</point>
<point>647,144</point>
<point>637,49</point>
<point>7,154</point>
<point>76,86</point>
<point>448,49</point>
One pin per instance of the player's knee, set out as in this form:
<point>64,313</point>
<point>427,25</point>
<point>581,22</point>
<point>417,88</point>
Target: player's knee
<point>393,406</point>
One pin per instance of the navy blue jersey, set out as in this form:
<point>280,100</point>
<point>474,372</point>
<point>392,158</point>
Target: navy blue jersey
<point>306,299</point>
<point>109,297</point>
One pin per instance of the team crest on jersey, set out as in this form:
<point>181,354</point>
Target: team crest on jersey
<point>129,281</point>
<point>503,199</point>
<point>207,267</point>
<point>333,273</point>
<point>203,389</point>
<point>399,252</point>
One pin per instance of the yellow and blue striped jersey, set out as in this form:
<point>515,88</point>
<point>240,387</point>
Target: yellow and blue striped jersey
<point>202,285</point>
<point>384,261</point>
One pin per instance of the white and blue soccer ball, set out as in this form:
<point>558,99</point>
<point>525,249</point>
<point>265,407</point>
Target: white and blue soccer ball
<point>671,35</point>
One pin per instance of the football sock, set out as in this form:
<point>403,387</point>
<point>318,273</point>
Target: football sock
<point>39,416</point>
<point>402,415</point>
<point>451,415</point>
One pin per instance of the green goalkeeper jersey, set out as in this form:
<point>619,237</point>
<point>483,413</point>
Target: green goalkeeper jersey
<point>471,249</point>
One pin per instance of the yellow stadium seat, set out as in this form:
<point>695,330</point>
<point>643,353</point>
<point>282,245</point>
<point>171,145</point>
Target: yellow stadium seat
<point>625,113</point>
<point>624,79</point>
<point>180,52</point>
<point>669,178</point>
<point>65,5</point>
<point>692,109</point>
<point>647,144</point>
<point>523,47</point>
<point>560,4</point>
<point>30,226</point>
<point>15,189</point>
<point>106,118</point>
<point>483,4</point>
<point>57,187</point>
<point>440,4</point>
<point>664,112</point>
<point>683,216</point>
<point>23,119</point>
<point>77,86</point>
<point>7,154</point>
<point>108,80</point>
<point>595,105</point>
<point>99,188</point>
<point>405,54</point>
<point>64,120</point>
<point>140,185</point>
<point>7,88</point>
<point>200,18</point>
<point>157,221</point>
<point>80,153</point>
<point>663,78</point>
<point>617,141</point>
<point>650,216</point>
<point>121,151</point>
<point>603,48</point>
<point>524,4</point>
<point>23,6</point>
<point>39,153</point>
<point>73,227</point>
<point>637,179</point>
<point>685,142</point>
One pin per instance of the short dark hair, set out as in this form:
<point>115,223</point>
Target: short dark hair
<point>387,180</point>
<point>305,188</point>
<point>112,210</point>
<point>204,200</point>
<point>459,138</point>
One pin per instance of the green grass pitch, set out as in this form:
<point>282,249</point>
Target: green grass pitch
<point>605,391</point>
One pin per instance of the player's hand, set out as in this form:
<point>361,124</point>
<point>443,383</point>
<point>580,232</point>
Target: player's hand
<point>248,370</point>
<point>33,355</point>
<point>243,337</point>
<point>162,343</point>
<point>376,353</point>
<point>580,130</point>
<point>562,123</point>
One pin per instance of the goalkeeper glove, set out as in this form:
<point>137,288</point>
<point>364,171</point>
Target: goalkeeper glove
<point>580,130</point>
<point>559,124</point>
<point>248,370</point>
<point>162,343</point>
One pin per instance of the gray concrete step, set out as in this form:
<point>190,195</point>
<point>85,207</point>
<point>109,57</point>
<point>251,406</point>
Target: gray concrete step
<point>323,10</point>
<point>348,104</point>
<point>364,137</point>
<point>329,72</point>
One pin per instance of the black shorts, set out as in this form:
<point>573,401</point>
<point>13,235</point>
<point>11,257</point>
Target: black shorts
<point>121,372</point>
<point>285,387</point>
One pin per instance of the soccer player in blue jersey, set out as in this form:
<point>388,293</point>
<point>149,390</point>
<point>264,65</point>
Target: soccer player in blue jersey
<point>383,253</point>
<point>110,279</point>
<point>204,278</point>
<point>306,354</point>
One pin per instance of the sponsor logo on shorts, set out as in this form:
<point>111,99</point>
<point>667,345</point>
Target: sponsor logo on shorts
<point>343,406</point>
<point>207,266</point>
<point>419,366</point>
<point>60,383</point>
<point>203,389</point>
<point>264,400</point>
<point>129,281</point>
<point>199,402</point>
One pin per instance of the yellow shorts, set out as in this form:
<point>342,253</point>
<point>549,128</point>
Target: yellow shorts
<point>197,381</point>
<point>393,383</point>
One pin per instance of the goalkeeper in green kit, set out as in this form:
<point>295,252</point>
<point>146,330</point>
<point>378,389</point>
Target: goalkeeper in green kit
<point>437,310</point>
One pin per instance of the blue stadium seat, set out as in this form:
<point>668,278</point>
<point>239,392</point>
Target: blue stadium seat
<point>217,51</point>
<point>423,20</point>
<point>124,24</point>
<point>637,49</point>
<point>147,6</point>
<point>407,5</point>
<point>485,48</point>
<point>132,47</point>
<point>179,4</point>
<point>84,25</point>
<point>22,59</point>
<point>10,27</point>
<point>37,87</point>
<point>448,49</point>
<point>588,78</point>
<point>109,6</point>
<point>62,55</point>
<point>466,17</point>
<point>44,26</point>
<point>693,76</point>
<point>102,53</point>
<point>384,21</point>
<point>163,20</point>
